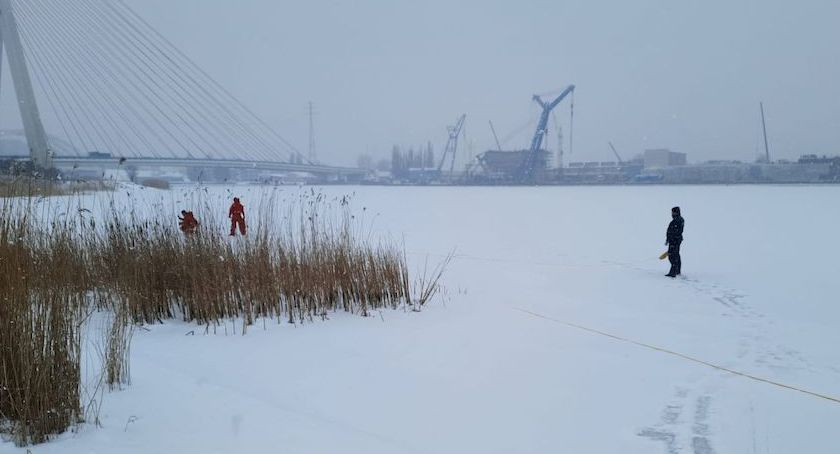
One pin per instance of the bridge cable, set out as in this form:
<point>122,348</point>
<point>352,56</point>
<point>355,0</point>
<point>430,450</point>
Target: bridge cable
<point>93,82</point>
<point>29,42</point>
<point>198,92</point>
<point>38,67</point>
<point>87,70</point>
<point>95,106</point>
<point>129,81</point>
<point>101,75</point>
<point>30,30</point>
<point>212,81</point>
<point>137,48</point>
<point>226,110</point>
<point>151,84</point>
<point>197,127</point>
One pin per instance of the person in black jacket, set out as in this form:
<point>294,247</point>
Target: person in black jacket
<point>673,239</point>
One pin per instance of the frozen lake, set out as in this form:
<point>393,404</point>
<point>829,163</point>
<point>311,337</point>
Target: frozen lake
<point>478,371</point>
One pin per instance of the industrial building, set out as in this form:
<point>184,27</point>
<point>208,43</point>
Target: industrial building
<point>503,166</point>
<point>720,172</point>
<point>604,172</point>
<point>661,158</point>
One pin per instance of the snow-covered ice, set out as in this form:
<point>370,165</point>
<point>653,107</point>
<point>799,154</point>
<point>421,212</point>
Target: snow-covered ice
<point>473,372</point>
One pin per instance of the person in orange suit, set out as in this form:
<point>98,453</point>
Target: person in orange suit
<point>237,217</point>
<point>187,222</point>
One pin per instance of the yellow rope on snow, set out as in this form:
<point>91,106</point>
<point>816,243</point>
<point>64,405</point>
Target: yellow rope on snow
<point>683,356</point>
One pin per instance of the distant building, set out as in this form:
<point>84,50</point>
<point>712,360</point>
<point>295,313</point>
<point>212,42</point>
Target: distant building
<point>603,172</point>
<point>662,158</point>
<point>733,173</point>
<point>508,164</point>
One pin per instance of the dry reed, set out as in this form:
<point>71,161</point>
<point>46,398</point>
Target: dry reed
<point>34,187</point>
<point>39,331</point>
<point>55,271</point>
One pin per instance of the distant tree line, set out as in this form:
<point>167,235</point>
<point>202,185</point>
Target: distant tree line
<point>403,161</point>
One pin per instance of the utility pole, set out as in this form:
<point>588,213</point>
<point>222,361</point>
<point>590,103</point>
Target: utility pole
<point>36,137</point>
<point>313,157</point>
<point>764,128</point>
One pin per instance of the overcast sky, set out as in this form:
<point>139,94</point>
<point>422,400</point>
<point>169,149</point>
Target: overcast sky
<point>686,75</point>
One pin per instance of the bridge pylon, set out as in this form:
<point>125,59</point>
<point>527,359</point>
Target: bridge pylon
<point>36,137</point>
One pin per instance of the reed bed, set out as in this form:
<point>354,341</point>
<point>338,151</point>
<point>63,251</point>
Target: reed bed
<point>41,277</point>
<point>56,271</point>
<point>34,187</point>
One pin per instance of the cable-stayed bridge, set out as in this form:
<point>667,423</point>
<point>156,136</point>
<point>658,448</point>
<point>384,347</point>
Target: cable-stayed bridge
<point>117,92</point>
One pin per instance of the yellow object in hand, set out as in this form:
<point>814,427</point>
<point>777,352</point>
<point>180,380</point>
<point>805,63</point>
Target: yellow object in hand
<point>663,256</point>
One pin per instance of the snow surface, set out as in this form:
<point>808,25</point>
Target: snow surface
<point>472,373</point>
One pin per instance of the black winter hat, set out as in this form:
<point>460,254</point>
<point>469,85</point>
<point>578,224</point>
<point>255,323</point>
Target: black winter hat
<point>675,210</point>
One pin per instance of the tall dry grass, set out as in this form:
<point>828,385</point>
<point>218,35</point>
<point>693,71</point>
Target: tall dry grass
<point>299,271</point>
<point>41,187</point>
<point>56,270</point>
<point>42,283</point>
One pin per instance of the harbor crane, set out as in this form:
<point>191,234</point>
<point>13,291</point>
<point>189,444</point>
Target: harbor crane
<point>493,130</point>
<point>620,161</point>
<point>528,167</point>
<point>452,144</point>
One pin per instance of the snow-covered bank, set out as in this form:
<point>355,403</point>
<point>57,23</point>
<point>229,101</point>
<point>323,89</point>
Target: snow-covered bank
<point>471,373</point>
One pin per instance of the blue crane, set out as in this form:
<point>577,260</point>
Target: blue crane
<point>526,171</point>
